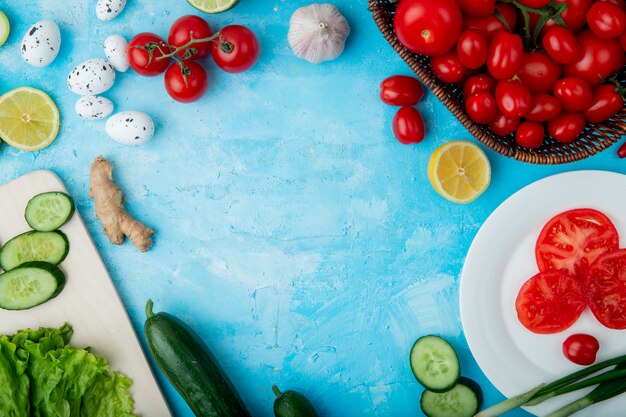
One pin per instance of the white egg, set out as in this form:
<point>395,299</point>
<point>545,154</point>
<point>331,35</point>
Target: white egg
<point>116,50</point>
<point>91,77</point>
<point>130,127</point>
<point>109,9</point>
<point>41,43</point>
<point>93,107</point>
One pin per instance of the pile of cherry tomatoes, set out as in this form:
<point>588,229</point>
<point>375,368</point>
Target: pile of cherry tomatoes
<point>527,67</point>
<point>234,49</point>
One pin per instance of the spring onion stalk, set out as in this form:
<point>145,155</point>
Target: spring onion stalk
<point>510,404</point>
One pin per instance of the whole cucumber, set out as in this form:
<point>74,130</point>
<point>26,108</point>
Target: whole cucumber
<point>292,404</point>
<point>191,367</point>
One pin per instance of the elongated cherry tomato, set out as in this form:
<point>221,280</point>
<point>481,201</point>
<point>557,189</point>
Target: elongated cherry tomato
<point>513,98</point>
<point>530,135</point>
<point>447,67</point>
<point>622,41</point>
<point>490,25</point>
<point>566,127</point>
<point>481,107</point>
<point>186,81</point>
<point>573,93</point>
<point>606,20</point>
<point>535,4</point>
<point>505,55</point>
<point>606,103</point>
<point>621,152</point>
<point>561,44</point>
<point>236,50</point>
<point>538,72</point>
<point>581,349</point>
<point>477,8</point>
<point>544,107</point>
<point>504,125</point>
<point>472,49</point>
<point>408,126</point>
<point>477,83</point>
<point>190,27</point>
<point>599,58</point>
<point>401,90</point>
<point>145,52</point>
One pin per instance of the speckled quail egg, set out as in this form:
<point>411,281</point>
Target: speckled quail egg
<point>93,107</point>
<point>130,127</point>
<point>41,43</point>
<point>91,77</point>
<point>116,50</point>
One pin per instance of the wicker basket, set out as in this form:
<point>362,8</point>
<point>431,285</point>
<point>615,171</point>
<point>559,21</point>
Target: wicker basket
<point>594,139</point>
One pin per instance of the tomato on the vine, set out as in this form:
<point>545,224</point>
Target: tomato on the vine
<point>472,49</point>
<point>538,72</point>
<point>478,83</point>
<point>481,107</point>
<point>504,125</point>
<point>447,67</point>
<point>186,81</point>
<point>606,20</point>
<point>581,349</point>
<point>408,126</point>
<point>561,44</point>
<point>573,93</point>
<point>401,90</point>
<point>145,54</point>
<point>505,55</point>
<point>599,58</point>
<point>606,103</point>
<point>566,127</point>
<point>530,135</point>
<point>477,8</point>
<point>490,25</point>
<point>513,98</point>
<point>236,49</point>
<point>184,30</point>
<point>543,107</point>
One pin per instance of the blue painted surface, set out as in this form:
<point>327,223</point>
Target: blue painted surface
<point>293,233</point>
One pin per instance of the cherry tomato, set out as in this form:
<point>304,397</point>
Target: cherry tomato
<point>544,107</point>
<point>581,349</point>
<point>573,93</point>
<point>237,49</point>
<point>190,27</point>
<point>566,127</point>
<point>186,81</point>
<point>535,4</point>
<point>538,72</point>
<point>401,90</point>
<point>481,107</point>
<point>408,126</point>
<point>606,289</point>
<point>477,8</point>
<point>550,302</point>
<point>561,44</point>
<point>472,49</point>
<point>447,67</point>
<point>144,53</point>
<point>513,98</point>
<point>505,55</point>
<point>490,25</point>
<point>477,83</point>
<point>622,40</point>
<point>575,14</point>
<point>606,103</point>
<point>606,20</point>
<point>530,135</point>
<point>504,125</point>
<point>621,152</point>
<point>428,27</point>
<point>599,58</point>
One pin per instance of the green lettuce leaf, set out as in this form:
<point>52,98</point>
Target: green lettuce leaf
<point>108,397</point>
<point>14,383</point>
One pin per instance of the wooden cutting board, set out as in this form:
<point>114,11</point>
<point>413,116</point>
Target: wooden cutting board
<point>89,301</point>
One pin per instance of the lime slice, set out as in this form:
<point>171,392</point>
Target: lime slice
<point>213,6</point>
<point>29,119</point>
<point>5,28</point>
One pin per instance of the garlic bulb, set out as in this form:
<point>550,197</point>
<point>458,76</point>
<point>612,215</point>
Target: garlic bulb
<point>318,32</point>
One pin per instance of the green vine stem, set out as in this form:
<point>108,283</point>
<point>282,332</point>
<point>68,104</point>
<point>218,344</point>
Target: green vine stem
<point>552,11</point>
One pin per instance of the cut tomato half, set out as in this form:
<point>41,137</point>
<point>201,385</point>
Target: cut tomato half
<point>573,240</point>
<point>550,302</point>
<point>606,289</point>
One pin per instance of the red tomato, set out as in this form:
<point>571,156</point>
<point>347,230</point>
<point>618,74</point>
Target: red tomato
<point>581,349</point>
<point>606,103</point>
<point>573,240</point>
<point>447,67</point>
<point>186,81</point>
<point>543,107</point>
<point>606,289</point>
<point>606,20</point>
<point>530,135</point>
<point>599,58</point>
<point>408,126</point>
<point>477,83</point>
<point>573,93</point>
<point>513,98</point>
<point>481,107</point>
<point>237,49</point>
<point>535,4</point>
<point>622,41</point>
<point>566,126</point>
<point>621,152</point>
<point>401,90</point>
<point>505,55</point>
<point>190,27</point>
<point>477,8</point>
<point>561,44</point>
<point>550,302</point>
<point>490,25</point>
<point>472,49</point>
<point>503,125</point>
<point>428,27</point>
<point>144,54</point>
<point>574,16</point>
<point>538,72</point>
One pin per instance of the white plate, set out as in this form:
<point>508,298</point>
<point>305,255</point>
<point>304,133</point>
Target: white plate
<point>501,258</point>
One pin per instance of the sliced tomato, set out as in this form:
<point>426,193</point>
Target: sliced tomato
<point>606,289</point>
<point>574,239</point>
<point>550,302</point>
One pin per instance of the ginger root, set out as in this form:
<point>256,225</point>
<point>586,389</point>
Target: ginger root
<point>109,202</point>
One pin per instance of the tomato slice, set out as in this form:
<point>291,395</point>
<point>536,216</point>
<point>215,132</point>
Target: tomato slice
<point>550,302</point>
<point>606,289</point>
<point>574,239</point>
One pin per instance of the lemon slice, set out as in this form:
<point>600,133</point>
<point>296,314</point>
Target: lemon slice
<point>5,28</point>
<point>29,119</point>
<point>213,6</point>
<point>459,171</point>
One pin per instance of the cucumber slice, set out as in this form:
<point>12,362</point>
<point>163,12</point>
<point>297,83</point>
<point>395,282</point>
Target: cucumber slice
<point>30,285</point>
<point>460,401</point>
<point>435,363</point>
<point>48,211</point>
<point>51,247</point>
